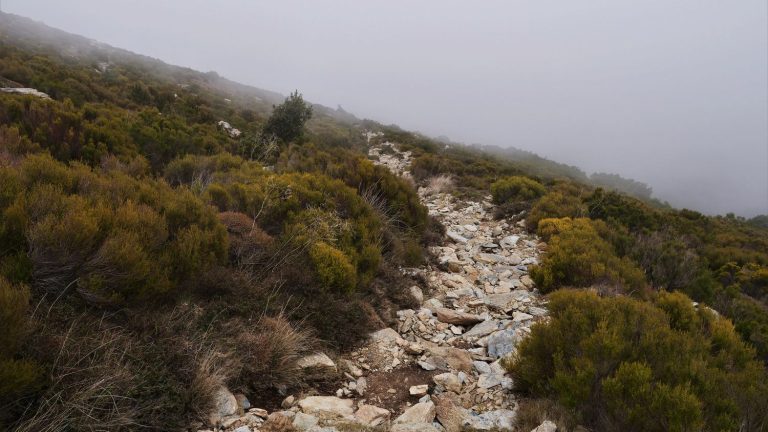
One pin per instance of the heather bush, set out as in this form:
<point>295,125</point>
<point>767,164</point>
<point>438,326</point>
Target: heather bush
<point>112,237</point>
<point>625,364</point>
<point>564,200</point>
<point>20,378</point>
<point>517,188</point>
<point>333,268</point>
<point>578,256</point>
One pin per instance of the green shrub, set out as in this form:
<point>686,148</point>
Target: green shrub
<point>625,364</point>
<point>288,119</point>
<point>14,301</point>
<point>563,201</point>
<point>333,268</point>
<point>578,257</point>
<point>516,188</point>
<point>19,378</point>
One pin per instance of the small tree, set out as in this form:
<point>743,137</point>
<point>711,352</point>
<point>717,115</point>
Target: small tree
<point>288,119</point>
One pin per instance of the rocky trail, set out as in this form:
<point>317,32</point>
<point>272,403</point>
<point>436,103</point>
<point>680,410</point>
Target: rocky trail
<point>440,368</point>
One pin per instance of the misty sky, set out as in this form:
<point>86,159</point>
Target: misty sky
<point>670,92</point>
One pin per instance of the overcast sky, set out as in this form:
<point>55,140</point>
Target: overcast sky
<point>673,93</point>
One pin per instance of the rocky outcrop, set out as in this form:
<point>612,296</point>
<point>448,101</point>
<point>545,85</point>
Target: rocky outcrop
<point>25,91</point>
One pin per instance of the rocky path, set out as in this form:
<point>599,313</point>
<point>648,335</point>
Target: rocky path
<point>440,369</point>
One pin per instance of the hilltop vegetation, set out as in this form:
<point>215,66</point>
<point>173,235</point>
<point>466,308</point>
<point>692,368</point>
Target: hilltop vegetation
<point>148,253</point>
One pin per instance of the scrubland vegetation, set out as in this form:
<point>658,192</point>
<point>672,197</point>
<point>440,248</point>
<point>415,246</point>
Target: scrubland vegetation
<point>633,352</point>
<point>148,257</point>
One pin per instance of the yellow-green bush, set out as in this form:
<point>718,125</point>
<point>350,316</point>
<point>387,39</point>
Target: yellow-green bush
<point>333,268</point>
<point>577,256</point>
<point>564,200</point>
<point>517,188</point>
<point>625,364</point>
<point>114,237</point>
<point>19,377</point>
<point>14,301</point>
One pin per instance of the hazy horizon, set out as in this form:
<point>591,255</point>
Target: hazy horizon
<point>673,94</point>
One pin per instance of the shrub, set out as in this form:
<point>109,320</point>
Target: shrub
<point>333,268</point>
<point>19,378</point>
<point>14,301</point>
<point>288,119</point>
<point>563,201</point>
<point>249,245</point>
<point>516,188</point>
<point>577,256</point>
<point>626,364</point>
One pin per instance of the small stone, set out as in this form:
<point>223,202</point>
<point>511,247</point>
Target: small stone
<point>458,238</point>
<point>419,413</point>
<point>259,412</point>
<point>386,335</point>
<point>481,367</point>
<point>303,422</point>
<point>242,401</point>
<point>316,365</point>
<point>521,316</point>
<point>362,386</point>
<point>418,390</point>
<point>225,404</point>
<point>489,380</point>
<point>509,242</point>
<point>417,294</point>
<point>326,405</point>
<point>243,429</point>
<point>353,369</point>
<point>414,427</point>
<point>288,402</point>
<point>448,381</point>
<point>483,329</point>
<point>502,343</point>
<point>371,415</point>
<point>547,426</point>
<point>497,420</point>
<point>427,366</point>
<point>450,316</point>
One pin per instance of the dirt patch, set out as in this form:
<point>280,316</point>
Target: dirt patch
<point>399,380</point>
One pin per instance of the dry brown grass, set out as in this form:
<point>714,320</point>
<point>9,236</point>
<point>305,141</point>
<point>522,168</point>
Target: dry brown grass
<point>90,380</point>
<point>269,350</point>
<point>532,412</point>
<point>439,184</point>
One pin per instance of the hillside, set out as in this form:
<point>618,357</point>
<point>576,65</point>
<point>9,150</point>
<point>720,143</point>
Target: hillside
<point>182,252</point>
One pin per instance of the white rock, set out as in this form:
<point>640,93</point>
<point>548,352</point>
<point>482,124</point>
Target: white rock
<point>224,404</point>
<point>498,420</point>
<point>547,426</point>
<point>317,362</point>
<point>423,412</point>
<point>417,294</point>
<point>327,405</point>
<point>386,335</point>
<point>418,390</point>
<point>521,316</point>
<point>371,415</point>
<point>509,241</point>
<point>303,422</point>
<point>414,427</point>
<point>458,238</point>
<point>448,381</point>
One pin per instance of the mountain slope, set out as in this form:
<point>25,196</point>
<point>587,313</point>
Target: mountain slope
<point>152,260</point>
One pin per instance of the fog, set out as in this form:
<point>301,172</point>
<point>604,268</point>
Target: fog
<point>671,93</point>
